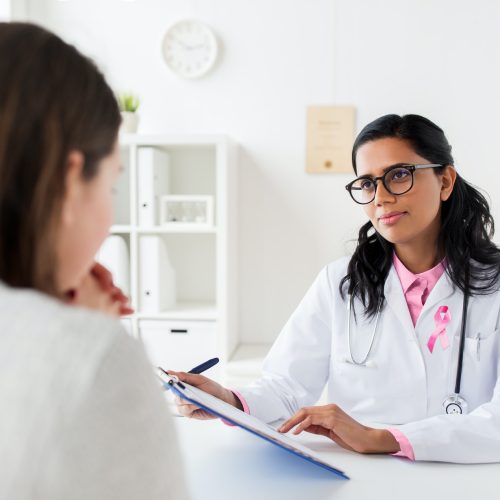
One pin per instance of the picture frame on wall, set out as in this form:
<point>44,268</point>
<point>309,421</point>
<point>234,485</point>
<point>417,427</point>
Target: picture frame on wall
<point>330,132</point>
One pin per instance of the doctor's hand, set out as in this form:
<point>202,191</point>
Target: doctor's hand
<point>205,384</point>
<point>331,421</point>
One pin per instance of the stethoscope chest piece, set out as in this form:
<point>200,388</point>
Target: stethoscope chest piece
<point>455,405</point>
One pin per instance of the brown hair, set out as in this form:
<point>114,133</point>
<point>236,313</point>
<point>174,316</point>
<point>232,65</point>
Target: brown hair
<point>53,100</point>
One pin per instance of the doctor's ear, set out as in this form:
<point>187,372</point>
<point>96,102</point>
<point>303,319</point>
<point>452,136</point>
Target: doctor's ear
<point>73,187</point>
<point>448,178</point>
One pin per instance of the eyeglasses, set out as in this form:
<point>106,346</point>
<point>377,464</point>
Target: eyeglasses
<point>398,179</point>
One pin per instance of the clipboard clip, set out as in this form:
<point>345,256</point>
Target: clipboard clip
<point>167,380</point>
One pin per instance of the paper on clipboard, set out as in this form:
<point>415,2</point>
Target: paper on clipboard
<point>227,412</point>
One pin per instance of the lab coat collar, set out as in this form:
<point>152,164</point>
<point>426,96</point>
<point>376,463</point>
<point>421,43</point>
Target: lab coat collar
<point>394,295</point>
<point>396,300</point>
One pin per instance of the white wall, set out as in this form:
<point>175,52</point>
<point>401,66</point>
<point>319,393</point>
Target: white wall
<point>436,58</point>
<point>4,10</point>
<point>13,9</point>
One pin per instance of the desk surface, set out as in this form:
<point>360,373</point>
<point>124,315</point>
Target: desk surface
<point>224,462</point>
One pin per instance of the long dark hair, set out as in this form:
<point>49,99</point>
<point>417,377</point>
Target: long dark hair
<point>52,100</point>
<point>467,225</point>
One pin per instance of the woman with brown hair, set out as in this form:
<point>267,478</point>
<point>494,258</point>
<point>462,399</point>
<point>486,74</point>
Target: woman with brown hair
<point>81,414</point>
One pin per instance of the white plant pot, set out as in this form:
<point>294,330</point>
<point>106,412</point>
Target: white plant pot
<point>130,122</point>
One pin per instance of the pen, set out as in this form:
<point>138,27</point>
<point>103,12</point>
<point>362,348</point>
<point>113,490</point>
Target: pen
<point>204,366</point>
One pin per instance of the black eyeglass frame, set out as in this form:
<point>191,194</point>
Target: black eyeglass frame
<point>411,167</point>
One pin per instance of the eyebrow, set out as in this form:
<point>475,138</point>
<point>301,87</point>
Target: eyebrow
<point>386,169</point>
<point>395,165</point>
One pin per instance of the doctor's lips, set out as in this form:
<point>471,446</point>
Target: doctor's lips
<point>391,218</point>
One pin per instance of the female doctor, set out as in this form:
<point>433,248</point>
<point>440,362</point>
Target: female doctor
<point>406,332</point>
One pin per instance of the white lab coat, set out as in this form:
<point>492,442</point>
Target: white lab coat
<point>405,385</point>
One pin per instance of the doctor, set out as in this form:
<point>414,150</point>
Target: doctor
<point>405,332</point>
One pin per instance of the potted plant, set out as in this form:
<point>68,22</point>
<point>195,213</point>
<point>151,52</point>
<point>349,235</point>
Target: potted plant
<point>128,104</point>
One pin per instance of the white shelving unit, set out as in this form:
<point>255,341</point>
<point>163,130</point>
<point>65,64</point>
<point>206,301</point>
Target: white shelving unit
<point>202,323</point>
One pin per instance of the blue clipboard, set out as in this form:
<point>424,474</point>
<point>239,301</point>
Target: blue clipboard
<point>186,392</point>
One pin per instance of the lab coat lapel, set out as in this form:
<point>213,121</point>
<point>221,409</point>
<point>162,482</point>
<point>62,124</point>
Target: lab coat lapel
<point>444,293</point>
<point>442,290</point>
<point>396,300</point>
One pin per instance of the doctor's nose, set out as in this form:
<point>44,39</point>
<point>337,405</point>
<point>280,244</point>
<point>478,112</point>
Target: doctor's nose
<point>382,195</point>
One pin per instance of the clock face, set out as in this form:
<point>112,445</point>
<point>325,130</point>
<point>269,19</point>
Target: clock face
<point>189,48</point>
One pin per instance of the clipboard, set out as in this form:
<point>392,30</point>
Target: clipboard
<point>238,418</point>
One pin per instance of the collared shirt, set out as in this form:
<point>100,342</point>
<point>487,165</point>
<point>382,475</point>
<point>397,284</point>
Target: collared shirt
<point>417,287</point>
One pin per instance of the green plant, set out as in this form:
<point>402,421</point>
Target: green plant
<point>128,102</point>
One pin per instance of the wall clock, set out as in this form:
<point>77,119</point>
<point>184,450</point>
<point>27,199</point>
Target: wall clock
<point>190,48</point>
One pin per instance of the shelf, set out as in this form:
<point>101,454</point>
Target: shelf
<point>180,229</point>
<point>172,140</point>
<point>195,311</point>
<point>201,256</point>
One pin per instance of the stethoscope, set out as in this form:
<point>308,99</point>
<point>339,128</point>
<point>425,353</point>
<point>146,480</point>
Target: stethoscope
<point>454,404</point>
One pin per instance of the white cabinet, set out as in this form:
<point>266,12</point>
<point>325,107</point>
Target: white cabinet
<point>178,344</point>
<point>200,249</point>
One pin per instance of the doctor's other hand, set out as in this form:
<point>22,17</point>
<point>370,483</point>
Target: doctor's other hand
<point>331,421</point>
<point>97,291</point>
<point>207,385</point>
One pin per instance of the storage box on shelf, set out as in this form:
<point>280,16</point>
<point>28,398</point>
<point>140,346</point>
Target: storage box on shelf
<point>182,270</point>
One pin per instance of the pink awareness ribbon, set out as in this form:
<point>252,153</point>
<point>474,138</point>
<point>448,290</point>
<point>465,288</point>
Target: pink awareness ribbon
<point>441,319</point>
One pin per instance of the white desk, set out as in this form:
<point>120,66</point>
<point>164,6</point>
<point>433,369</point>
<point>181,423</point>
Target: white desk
<point>229,463</point>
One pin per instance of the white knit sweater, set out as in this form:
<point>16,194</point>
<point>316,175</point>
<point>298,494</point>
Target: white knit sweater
<point>81,416</point>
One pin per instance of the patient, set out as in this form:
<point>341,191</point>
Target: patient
<point>81,415</point>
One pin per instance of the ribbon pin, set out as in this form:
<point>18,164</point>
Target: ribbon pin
<point>441,319</point>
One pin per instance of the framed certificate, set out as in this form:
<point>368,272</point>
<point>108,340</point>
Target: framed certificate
<point>329,139</point>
